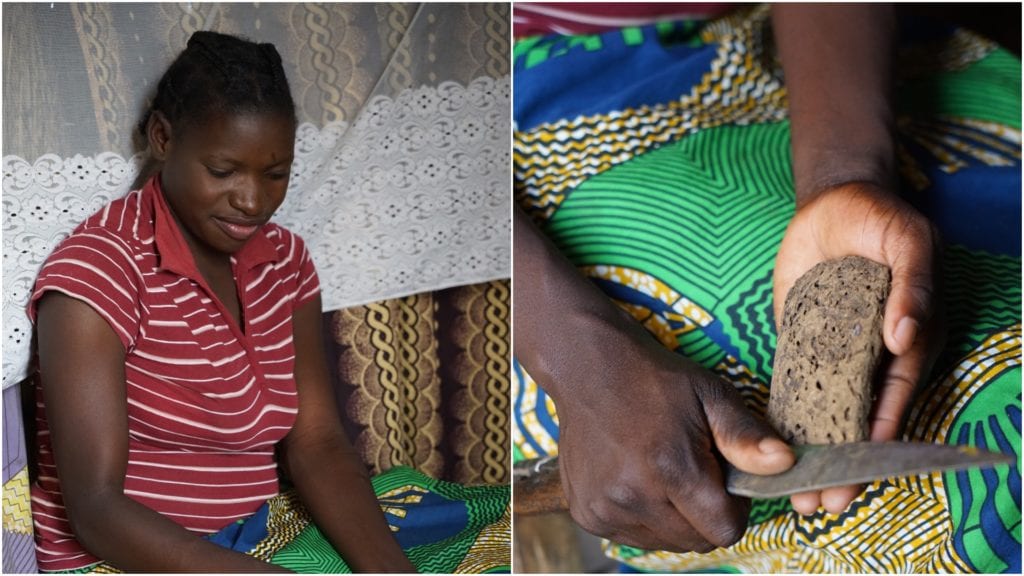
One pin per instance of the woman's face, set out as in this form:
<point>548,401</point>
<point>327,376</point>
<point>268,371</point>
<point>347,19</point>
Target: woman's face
<point>224,177</point>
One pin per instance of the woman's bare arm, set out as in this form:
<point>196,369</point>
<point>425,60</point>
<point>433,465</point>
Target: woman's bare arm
<point>82,364</point>
<point>838,62</point>
<point>329,476</point>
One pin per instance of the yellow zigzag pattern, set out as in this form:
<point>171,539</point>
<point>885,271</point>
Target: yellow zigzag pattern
<point>553,158</point>
<point>957,143</point>
<point>865,541</point>
<point>862,542</point>
<point>490,550</point>
<point>286,519</point>
<point>689,314</point>
<point>528,413</point>
<point>997,353</point>
<point>17,504</point>
<point>391,502</point>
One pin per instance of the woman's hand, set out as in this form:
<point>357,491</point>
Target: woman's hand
<point>865,220</point>
<point>327,472</point>
<point>641,428</point>
<point>641,433</point>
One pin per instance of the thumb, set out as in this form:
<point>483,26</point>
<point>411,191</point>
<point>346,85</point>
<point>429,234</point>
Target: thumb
<point>746,441</point>
<point>911,297</point>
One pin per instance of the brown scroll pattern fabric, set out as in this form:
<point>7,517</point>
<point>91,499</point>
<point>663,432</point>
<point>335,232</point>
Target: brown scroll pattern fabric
<point>424,381</point>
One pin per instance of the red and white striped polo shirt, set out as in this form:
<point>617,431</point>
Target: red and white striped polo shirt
<point>565,18</point>
<point>207,400</point>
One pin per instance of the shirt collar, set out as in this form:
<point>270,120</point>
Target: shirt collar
<point>172,249</point>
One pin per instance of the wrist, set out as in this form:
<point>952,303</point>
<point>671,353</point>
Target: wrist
<point>834,168</point>
<point>602,355</point>
<point>575,341</point>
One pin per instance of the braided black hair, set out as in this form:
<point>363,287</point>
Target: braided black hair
<point>220,73</point>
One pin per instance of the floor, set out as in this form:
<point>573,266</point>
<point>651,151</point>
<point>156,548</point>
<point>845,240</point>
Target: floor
<point>552,543</point>
<point>594,560</point>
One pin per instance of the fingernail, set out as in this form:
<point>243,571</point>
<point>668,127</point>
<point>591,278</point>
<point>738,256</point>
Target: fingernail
<point>772,446</point>
<point>906,332</point>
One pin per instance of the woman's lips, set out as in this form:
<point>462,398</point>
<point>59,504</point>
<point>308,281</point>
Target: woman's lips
<point>238,231</point>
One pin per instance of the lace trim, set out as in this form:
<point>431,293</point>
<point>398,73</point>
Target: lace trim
<point>413,196</point>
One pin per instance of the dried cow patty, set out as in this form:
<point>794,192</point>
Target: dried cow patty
<point>829,346</point>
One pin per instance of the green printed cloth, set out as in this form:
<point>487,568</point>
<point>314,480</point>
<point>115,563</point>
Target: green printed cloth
<point>442,527</point>
<point>658,160</point>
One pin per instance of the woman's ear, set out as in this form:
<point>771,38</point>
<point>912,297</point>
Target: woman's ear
<point>158,132</point>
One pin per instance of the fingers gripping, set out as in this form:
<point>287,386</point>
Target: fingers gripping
<point>746,441</point>
<point>910,253</point>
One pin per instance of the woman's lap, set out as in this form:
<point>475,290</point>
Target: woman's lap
<point>442,527</point>
<point>683,231</point>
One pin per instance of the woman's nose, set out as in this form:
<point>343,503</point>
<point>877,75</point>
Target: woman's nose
<point>247,198</point>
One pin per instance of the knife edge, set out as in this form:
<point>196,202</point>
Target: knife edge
<point>825,466</point>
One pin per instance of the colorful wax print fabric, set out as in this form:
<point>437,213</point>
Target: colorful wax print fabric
<point>658,160</point>
<point>442,527</point>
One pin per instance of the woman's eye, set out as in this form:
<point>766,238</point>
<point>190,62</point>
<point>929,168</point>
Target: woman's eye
<point>278,175</point>
<point>218,173</point>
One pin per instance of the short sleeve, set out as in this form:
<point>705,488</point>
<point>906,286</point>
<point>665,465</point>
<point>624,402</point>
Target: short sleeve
<point>307,281</point>
<point>96,267</point>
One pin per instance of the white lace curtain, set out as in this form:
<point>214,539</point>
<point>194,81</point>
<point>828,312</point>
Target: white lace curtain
<point>401,182</point>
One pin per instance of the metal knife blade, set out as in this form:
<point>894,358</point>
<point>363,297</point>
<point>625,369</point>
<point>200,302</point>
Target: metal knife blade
<point>820,466</point>
<point>538,488</point>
